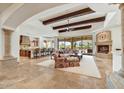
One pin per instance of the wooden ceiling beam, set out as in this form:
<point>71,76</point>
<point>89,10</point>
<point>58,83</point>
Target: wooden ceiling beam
<point>69,15</point>
<point>75,29</point>
<point>94,20</point>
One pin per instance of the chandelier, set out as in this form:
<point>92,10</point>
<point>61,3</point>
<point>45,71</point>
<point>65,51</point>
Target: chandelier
<point>68,28</point>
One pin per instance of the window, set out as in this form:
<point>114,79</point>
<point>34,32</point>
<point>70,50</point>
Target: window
<point>61,45</point>
<point>67,44</point>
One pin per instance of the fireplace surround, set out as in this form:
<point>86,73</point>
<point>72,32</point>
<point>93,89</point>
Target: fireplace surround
<point>104,45</point>
<point>103,49</point>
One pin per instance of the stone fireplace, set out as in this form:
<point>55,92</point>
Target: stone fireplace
<point>104,44</point>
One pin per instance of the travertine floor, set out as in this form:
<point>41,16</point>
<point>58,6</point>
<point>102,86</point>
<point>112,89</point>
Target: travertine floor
<point>27,74</point>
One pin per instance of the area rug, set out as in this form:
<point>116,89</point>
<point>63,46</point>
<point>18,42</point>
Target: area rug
<point>87,67</point>
<point>47,63</point>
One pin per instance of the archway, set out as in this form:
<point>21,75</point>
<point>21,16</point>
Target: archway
<point>14,19</point>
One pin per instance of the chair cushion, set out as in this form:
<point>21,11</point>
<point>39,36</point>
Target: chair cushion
<point>72,59</point>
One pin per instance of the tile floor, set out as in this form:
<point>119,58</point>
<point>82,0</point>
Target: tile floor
<point>28,75</point>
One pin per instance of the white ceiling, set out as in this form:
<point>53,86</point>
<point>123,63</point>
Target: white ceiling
<point>101,10</point>
<point>80,18</point>
<point>4,6</point>
<point>26,11</point>
<point>33,14</point>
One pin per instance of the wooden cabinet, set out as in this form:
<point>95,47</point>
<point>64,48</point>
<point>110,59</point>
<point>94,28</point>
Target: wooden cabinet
<point>25,53</point>
<point>27,43</point>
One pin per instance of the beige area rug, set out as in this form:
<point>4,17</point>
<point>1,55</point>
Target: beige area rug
<point>87,67</point>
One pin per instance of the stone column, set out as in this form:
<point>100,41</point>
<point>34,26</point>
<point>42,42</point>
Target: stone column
<point>7,42</point>
<point>121,72</point>
<point>7,47</point>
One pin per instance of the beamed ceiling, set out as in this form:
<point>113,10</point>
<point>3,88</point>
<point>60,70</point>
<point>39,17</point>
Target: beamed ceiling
<point>93,20</point>
<point>69,15</point>
<point>76,28</point>
<point>83,24</point>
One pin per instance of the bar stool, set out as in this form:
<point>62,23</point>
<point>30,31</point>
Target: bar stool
<point>41,52</point>
<point>36,53</point>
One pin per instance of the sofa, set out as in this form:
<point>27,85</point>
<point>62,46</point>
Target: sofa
<point>73,61</point>
<point>64,62</point>
<point>60,62</point>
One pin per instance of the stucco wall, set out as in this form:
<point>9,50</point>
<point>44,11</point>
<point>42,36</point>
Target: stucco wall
<point>24,30</point>
<point>116,43</point>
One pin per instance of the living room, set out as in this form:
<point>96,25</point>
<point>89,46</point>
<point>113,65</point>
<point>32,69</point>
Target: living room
<point>80,41</point>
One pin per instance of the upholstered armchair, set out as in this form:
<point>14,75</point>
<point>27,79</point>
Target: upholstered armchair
<point>60,62</point>
<point>73,61</point>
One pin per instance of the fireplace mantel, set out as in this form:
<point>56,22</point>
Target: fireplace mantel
<point>104,43</point>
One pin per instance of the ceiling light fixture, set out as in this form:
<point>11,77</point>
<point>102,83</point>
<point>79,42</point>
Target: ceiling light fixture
<point>68,28</point>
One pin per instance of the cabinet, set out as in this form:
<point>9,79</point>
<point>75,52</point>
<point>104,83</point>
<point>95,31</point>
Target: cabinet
<point>25,53</point>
